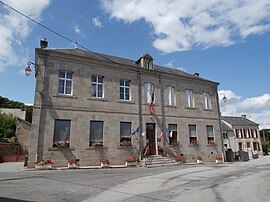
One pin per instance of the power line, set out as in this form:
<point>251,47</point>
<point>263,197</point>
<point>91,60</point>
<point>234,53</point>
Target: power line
<point>45,27</point>
<point>57,33</point>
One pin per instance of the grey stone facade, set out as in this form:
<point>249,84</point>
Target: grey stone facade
<point>80,108</point>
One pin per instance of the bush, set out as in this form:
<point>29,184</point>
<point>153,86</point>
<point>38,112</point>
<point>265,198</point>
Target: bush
<point>7,125</point>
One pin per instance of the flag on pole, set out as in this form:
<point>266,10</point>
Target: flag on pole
<point>135,131</point>
<point>151,106</point>
<point>171,133</point>
<point>143,133</point>
<point>161,135</point>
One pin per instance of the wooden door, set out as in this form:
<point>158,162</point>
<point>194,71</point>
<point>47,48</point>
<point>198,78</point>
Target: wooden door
<point>150,136</point>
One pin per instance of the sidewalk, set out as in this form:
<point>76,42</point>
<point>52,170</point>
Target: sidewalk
<point>11,166</point>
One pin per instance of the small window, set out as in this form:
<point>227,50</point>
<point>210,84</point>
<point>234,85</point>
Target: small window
<point>210,134</point>
<point>173,134</point>
<point>65,83</point>
<point>61,136</point>
<point>124,89</point>
<point>149,93</point>
<point>97,86</point>
<point>190,99</point>
<point>207,100</point>
<point>225,135</point>
<point>170,98</point>
<point>192,134</point>
<point>96,134</point>
<point>125,134</point>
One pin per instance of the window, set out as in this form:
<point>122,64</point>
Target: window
<point>61,135</point>
<point>125,131</point>
<point>192,134</point>
<point>173,133</point>
<point>190,99</point>
<point>124,89</point>
<point>207,100</point>
<point>149,92</point>
<point>225,135</point>
<point>65,83</point>
<point>170,98</point>
<point>210,134</point>
<point>96,134</point>
<point>97,86</point>
<point>244,133</point>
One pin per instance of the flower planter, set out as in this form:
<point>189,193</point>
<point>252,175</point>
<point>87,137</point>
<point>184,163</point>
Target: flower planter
<point>219,161</point>
<point>104,165</point>
<point>130,164</point>
<point>43,166</point>
<point>72,165</point>
<point>199,161</point>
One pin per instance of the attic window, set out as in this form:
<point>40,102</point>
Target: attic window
<point>146,61</point>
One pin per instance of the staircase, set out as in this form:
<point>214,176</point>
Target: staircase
<point>158,161</point>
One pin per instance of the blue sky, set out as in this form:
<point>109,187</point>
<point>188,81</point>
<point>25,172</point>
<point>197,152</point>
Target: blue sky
<point>225,41</point>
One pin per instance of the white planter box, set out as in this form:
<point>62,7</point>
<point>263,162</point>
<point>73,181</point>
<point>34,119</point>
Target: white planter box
<point>104,165</point>
<point>134,163</point>
<point>43,166</point>
<point>72,165</point>
<point>219,161</point>
<point>199,161</point>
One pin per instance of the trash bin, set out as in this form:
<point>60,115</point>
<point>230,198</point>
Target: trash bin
<point>229,155</point>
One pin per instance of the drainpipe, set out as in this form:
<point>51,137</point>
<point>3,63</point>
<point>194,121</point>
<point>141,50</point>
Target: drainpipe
<point>140,114</point>
<point>162,107</point>
<point>220,128</point>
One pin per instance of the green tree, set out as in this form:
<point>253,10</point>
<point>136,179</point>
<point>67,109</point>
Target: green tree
<point>7,125</point>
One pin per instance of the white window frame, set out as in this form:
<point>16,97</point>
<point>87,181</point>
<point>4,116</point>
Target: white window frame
<point>97,83</point>
<point>190,98</point>
<point>149,91</point>
<point>210,133</point>
<point>207,100</point>
<point>126,89</point>
<point>192,134</point>
<point>170,96</point>
<point>65,79</point>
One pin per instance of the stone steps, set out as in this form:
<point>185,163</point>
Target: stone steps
<point>159,161</point>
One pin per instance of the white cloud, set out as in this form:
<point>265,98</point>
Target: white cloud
<point>96,21</point>
<point>14,28</point>
<point>77,29</point>
<point>180,25</point>
<point>255,108</point>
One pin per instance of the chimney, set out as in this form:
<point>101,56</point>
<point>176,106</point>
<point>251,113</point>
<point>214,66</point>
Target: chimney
<point>244,116</point>
<point>43,43</point>
<point>196,74</point>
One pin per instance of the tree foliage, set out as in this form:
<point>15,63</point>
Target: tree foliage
<point>7,125</point>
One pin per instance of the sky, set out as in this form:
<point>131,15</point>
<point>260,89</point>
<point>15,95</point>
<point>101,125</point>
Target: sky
<point>226,41</point>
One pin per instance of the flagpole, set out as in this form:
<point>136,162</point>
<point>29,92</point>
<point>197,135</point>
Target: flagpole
<point>140,114</point>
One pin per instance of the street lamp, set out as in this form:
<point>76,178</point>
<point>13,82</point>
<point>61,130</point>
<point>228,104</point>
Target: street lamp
<point>28,69</point>
<point>224,97</point>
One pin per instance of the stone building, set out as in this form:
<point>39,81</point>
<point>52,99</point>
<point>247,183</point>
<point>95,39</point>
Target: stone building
<point>241,134</point>
<point>91,106</point>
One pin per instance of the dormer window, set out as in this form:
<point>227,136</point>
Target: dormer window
<point>146,61</point>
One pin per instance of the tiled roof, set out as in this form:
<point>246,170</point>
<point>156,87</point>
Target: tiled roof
<point>238,121</point>
<point>124,61</point>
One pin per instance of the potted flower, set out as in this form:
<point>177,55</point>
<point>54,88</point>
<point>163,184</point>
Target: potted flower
<point>178,159</point>
<point>104,163</point>
<point>72,163</point>
<point>199,159</point>
<point>212,142</point>
<point>194,142</point>
<point>219,159</point>
<point>44,164</point>
<point>131,161</point>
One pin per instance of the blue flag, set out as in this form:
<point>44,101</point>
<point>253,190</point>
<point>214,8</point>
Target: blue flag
<point>135,131</point>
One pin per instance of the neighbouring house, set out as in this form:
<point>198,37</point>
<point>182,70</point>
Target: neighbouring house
<point>23,131</point>
<point>92,106</point>
<point>241,134</point>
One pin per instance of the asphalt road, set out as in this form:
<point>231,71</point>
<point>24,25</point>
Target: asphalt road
<point>240,181</point>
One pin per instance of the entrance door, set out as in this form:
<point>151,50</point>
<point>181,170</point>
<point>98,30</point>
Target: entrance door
<point>150,136</point>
